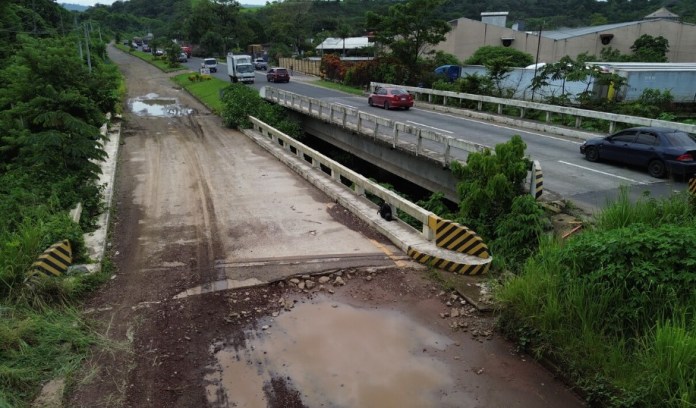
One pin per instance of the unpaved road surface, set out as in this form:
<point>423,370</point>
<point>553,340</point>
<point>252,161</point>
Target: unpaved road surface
<point>238,284</point>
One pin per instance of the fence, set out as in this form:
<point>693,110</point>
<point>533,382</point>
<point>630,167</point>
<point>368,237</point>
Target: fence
<point>301,65</point>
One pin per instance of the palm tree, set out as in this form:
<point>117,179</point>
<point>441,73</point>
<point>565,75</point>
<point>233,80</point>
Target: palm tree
<point>343,31</point>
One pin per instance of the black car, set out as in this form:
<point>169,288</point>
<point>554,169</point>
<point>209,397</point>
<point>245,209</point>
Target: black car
<point>660,150</point>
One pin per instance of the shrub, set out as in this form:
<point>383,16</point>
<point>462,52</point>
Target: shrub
<point>518,232</point>
<point>488,184</point>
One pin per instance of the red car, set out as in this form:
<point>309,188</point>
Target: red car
<point>391,98</point>
<point>278,75</point>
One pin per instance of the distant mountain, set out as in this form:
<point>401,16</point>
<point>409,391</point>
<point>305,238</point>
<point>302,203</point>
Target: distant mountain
<point>74,7</point>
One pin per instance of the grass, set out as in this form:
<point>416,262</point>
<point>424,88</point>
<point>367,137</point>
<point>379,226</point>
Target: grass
<point>558,314</point>
<point>205,88</point>
<point>160,63</point>
<point>339,87</point>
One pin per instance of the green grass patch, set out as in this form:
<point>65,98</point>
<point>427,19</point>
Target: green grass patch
<point>159,62</point>
<point>339,87</point>
<point>205,88</point>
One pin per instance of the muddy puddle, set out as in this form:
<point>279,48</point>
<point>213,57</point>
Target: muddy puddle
<point>333,355</point>
<point>154,105</point>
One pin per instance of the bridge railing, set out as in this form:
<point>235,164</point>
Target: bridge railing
<point>353,181</point>
<point>523,107</point>
<point>417,140</point>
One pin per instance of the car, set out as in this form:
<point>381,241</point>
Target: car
<point>278,74</point>
<point>187,49</point>
<point>146,48</point>
<point>159,52</point>
<point>210,63</point>
<point>661,150</point>
<point>260,63</point>
<point>391,97</point>
<point>183,57</point>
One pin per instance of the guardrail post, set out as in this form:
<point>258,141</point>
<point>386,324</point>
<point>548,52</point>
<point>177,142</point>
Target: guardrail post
<point>374,132</point>
<point>612,126</point>
<point>578,122</point>
<point>444,100</point>
<point>419,141</point>
<point>448,147</point>
<point>331,111</point>
<point>500,109</point>
<point>479,106</point>
<point>395,134</point>
<point>359,189</point>
<point>430,98</point>
<point>548,117</point>
<point>428,232</point>
<point>359,122</point>
<point>344,118</point>
<point>522,110</point>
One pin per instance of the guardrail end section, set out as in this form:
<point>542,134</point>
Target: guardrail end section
<point>459,238</point>
<point>444,264</point>
<point>692,186</point>
<point>54,260</point>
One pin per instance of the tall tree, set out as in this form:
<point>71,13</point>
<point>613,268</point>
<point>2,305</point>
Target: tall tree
<point>409,28</point>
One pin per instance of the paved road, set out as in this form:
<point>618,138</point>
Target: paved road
<point>566,173</point>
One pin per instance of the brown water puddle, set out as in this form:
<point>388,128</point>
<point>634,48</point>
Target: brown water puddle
<point>335,355</point>
<point>152,105</point>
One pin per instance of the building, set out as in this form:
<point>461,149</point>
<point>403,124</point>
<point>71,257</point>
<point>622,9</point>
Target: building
<point>469,35</point>
<point>353,46</point>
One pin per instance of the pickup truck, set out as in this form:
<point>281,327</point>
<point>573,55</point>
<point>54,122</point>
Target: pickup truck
<point>259,63</point>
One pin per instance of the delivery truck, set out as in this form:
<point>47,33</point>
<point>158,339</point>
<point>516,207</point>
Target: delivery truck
<point>240,68</point>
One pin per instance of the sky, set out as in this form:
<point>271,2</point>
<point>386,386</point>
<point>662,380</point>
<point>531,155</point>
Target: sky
<point>108,2</point>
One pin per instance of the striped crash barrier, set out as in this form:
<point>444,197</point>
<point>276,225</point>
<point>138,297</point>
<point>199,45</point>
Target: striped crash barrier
<point>692,186</point>
<point>536,183</point>
<point>54,260</point>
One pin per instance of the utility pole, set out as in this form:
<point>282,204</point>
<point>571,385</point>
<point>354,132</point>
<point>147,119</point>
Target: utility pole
<point>536,63</point>
<point>89,57</point>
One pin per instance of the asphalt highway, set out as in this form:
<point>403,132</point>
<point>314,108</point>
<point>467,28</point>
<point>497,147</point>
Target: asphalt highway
<point>566,172</point>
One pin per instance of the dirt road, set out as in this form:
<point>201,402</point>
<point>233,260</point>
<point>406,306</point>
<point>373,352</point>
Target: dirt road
<point>239,284</point>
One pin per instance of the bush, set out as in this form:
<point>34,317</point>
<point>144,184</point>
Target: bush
<point>651,268</point>
<point>489,183</point>
<point>240,102</point>
<point>518,232</point>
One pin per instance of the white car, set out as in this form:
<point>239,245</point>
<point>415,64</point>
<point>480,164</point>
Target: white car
<point>260,63</point>
<point>210,63</point>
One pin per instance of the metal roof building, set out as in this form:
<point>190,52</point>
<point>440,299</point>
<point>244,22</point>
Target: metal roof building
<point>469,35</point>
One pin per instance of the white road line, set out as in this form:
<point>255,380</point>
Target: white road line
<point>502,127</point>
<point>605,173</point>
<point>431,127</point>
<point>343,104</point>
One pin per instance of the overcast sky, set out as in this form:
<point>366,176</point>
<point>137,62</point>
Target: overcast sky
<point>108,2</point>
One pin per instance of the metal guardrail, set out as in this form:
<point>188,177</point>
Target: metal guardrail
<point>419,141</point>
<point>359,184</point>
<point>522,106</point>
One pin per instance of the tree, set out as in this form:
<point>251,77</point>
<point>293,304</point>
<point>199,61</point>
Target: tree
<point>650,49</point>
<point>487,53</point>
<point>409,28</point>
<point>343,32</point>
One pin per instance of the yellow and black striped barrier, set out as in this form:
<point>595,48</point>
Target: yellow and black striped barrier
<point>455,267</point>
<point>536,184</point>
<point>54,260</point>
<point>458,238</point>
<point>692,186</point>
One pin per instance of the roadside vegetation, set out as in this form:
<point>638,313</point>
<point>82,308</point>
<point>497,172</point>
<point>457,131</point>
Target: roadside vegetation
<point>52,104</point>
<point>614,308</point>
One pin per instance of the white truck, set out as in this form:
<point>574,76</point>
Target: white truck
<point>240,68</point>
